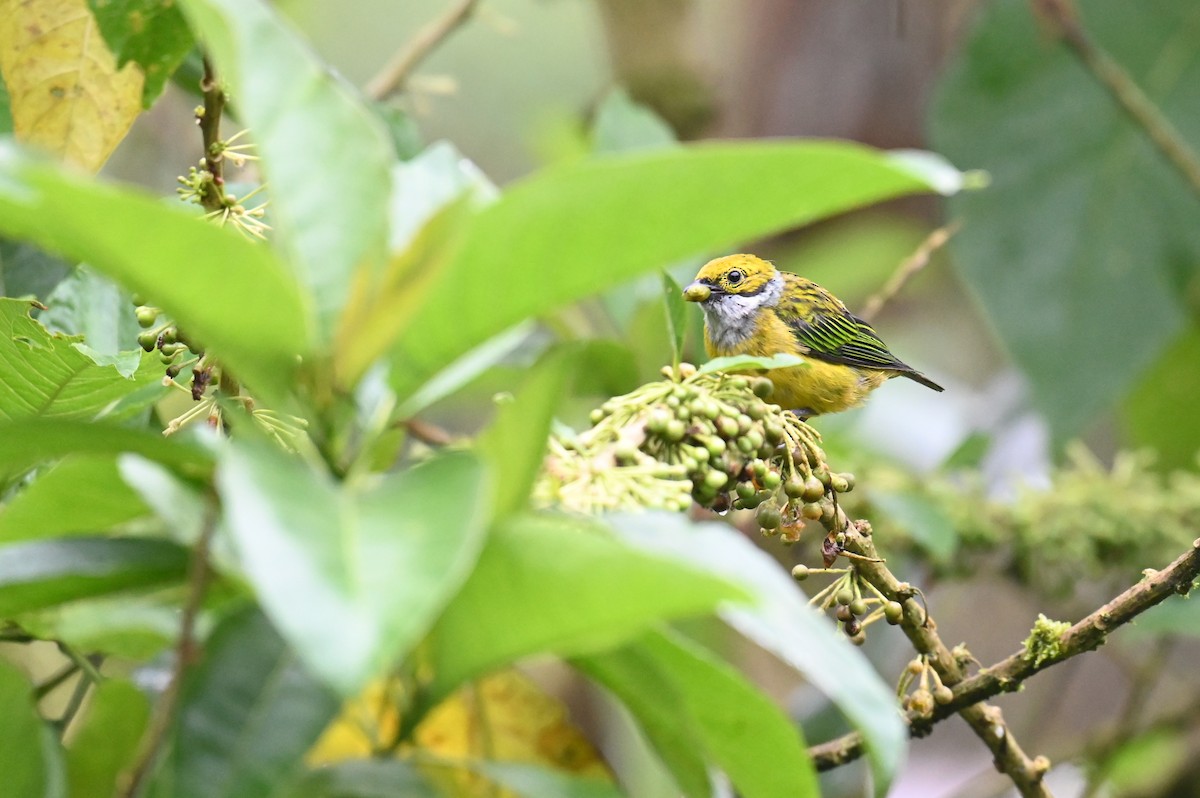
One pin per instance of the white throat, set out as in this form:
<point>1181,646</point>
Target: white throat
<point>730,318</point>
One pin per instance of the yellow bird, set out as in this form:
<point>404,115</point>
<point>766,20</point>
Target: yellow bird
<point>751,308</point>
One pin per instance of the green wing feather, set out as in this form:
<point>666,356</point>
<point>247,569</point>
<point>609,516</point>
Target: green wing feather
<point>830,332</point>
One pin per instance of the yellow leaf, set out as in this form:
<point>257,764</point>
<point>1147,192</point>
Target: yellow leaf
<point>66,94</point>
<point>504,717</point>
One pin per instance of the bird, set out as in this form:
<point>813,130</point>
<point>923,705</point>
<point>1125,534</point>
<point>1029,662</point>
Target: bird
<point>752,308</point>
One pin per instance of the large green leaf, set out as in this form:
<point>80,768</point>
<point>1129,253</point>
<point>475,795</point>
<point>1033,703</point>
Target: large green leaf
<point>151,33</point>
<point>31,441</point>
<point>560,585</point>
<point>23,740</point>
<point>79,494</point>
<point>91,305</point>
<point>1160,412</point>
<point>26,270</point>
<point>47,572</point>
<point>571,231</point>
<point>107,738</point>
<point>1079,249</point>
<point>228,293</point>
<point>364,778</point>
<point>781,622</point>
<point>47,375</point>
<point>685,694</point>
<point>352,574</point>
<point>249,712</point>
<point>325,156</point>
<point>515,443</point>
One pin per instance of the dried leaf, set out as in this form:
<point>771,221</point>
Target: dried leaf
<point>67,96</point>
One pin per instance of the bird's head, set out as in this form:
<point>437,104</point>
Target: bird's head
<point>732,275</point>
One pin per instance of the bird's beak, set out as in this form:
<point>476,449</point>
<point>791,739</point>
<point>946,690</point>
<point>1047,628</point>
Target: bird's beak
<point>697,292</point>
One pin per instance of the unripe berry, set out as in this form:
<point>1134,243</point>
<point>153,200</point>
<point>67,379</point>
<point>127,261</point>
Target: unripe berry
<point>146,316</point>
<point>893,612</point>
<point>813,489</point>
<point>771,480</point>
<point>943,694</point>
<point>727,427</point>
<point>762,387</point>
<point>811,510</point>
<point>147,341</point>
<point>716,479</point>
<point>674,431</point>
<point>845,596</point>
<point>769,516</point>
<point>794,487</point>
<point>844,614</point>
<point>858,607</point>
<point>839,483</point>
<point>852,627</point>
<point>800,572</point>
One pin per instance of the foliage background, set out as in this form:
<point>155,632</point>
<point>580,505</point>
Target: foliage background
<point>1064,310</point>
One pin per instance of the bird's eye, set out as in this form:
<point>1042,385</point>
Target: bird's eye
<point>735,277</point>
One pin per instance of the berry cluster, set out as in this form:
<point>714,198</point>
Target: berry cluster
<point>856,602</point>
<point>175,351</point>
<point>697,435</point>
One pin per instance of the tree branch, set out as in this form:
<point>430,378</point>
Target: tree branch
<point>908,269</point>
<point>395,74</point>
<point>210,132</point>
<point>199,574</point>
<point>1127,94</point>
<point>985,720</point>
<point>1008,674</point>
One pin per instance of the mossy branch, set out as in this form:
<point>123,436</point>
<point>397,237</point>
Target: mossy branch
<point>1008,674</point>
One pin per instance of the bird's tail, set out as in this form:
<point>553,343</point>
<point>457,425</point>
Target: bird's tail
<point>917,376</point>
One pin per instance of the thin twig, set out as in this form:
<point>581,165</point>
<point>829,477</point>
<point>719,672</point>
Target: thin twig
<point>1127,94</point>
<point>395,74</point>
<point>428,433</point>
<point>908,269</point>
<point>210,131</point>
<point>1008,674</point>
<point>199,574</point>
<point>51,684</point>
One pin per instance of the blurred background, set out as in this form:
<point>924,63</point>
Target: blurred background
<point>1061,317</point>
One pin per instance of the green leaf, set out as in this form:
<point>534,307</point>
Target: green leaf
<point>249,712</point>
<point>744,362</point>
<point>782,622</point>
<point>134,627</point>
<point>574,230</point>
<point>364,778</point>
<point>353,575</point>
<point>47,572</point>
<point>79,494</point>
<point>151,33</point>
<point>623,125</point>
<point>227,292</point>
<point>27,770</point>
<point>1159,412</point>
<point>676,309</point>
<point>1079,251</point>
<point>26,270</point>
<point>47,375</point>
<point>90,305</point>
<point>31,441</point>
<point>105,741</point>
<point>685,691</point>
<point>1175,616</point>
<point>325,156</point>
<point>546,583</point>
<point>515,443</point>
<point>922,519</point>
<point>532,781</point>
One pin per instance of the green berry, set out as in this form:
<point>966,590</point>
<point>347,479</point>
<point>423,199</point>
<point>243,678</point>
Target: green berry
<point>727,427</point>
<point>943,694</point>
<point>858,638</point>
<point>596,416</point>
<point>146,316</point>
<point>839,483</point>
<point>745,444</point>
<point>893,612</point>
<point>756,411</point>
<point>858,607</point>
<point>716,479</point>
<point>744,423</point>
<point>794,487</point>
<point>674,431</point>
<point>800,572</point>
<point>769,516</point>
<point>147,341</point>
<point>745,490</point>
<point>762,387</point>
<point>771,480</point>
<point>715,446</point>
<point>812,511</point>
<point>845,596</point>
<point>813,489</point>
